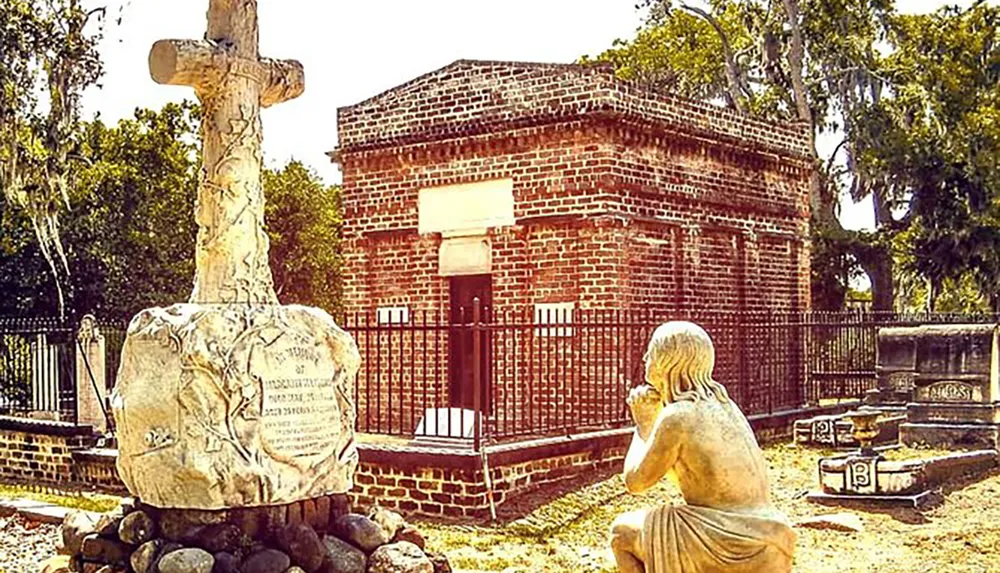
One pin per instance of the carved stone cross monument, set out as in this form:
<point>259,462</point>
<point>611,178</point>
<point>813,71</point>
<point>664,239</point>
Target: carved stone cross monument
<point>233,83</point>
<point>232,400</point>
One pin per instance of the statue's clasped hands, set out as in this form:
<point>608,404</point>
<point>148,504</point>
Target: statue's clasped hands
<point>646,404</point>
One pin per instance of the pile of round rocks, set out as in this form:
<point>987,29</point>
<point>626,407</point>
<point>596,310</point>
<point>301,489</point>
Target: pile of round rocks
<point>315,536</point>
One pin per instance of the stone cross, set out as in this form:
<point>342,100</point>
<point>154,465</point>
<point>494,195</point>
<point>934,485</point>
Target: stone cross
<point>233,83</point>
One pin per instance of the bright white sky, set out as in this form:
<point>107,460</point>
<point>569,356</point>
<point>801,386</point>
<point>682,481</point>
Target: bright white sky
<point>353,50</point>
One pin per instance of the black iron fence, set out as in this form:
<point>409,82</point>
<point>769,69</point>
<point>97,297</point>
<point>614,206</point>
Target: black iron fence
<point>113,332</point>
<point>506,374</point>
<point>38,369</point>
<point>503,374</point>
<point>518,373</point>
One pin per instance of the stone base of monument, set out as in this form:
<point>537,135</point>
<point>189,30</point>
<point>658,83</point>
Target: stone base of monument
<point>949,436</point>
<point>951,425</point>
<point>313,536</point>
<point>888,399</point>
<point>220,406</point>
<point>835,430</point>
<point>872,479</point>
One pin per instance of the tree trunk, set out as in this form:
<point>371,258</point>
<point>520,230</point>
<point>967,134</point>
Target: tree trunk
<point>738,90</point>
<point>796,57</point>
<point>822,204</point>
<point>933,289</point>
<point>879,271</point>
<point>877,263</point>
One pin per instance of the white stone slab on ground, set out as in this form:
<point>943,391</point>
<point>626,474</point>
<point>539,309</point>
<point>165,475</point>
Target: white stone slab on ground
<point>32,510</point>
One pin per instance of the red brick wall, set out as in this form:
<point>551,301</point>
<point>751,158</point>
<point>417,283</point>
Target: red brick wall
<point>622,199</point>
<point>617,192</point>
<point>34,458</point>
<point>450,484</point>
<point>98,470</point>
<point>469,97</point>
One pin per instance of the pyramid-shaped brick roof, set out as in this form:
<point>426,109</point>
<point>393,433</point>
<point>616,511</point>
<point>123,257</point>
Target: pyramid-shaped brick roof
<point>471,97</point>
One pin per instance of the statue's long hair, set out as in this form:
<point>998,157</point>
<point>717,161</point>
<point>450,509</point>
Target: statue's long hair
<point>682,358</point>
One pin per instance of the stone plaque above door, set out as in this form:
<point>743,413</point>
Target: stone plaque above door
<point>466,207</point>
<point>469,255</point>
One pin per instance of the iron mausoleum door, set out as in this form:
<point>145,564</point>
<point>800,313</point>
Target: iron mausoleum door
<point>464,290</point>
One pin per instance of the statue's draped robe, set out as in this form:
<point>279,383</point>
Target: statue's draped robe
<point>693,539</point>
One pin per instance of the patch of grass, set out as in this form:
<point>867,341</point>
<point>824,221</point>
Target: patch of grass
<point>82,500</point>
<point>960,535</point>
<point>908,454</point>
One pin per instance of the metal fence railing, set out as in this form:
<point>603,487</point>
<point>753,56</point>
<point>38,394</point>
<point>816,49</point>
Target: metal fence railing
<point>512,373</point>
<point>113,332</point>
<point>504,374</point>
<point>37,369</point>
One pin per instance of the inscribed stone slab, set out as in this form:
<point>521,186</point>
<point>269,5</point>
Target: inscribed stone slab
<point>232,405</point>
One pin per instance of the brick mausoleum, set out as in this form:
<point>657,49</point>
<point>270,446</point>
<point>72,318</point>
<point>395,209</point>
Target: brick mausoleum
<point>529,184</point>
<point>540,189</point>
<point>555,189</point>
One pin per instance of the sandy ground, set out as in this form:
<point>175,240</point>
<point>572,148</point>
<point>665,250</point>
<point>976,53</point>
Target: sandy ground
<point>959,535</point>
<point>24,544</point>
<point>568,533</point>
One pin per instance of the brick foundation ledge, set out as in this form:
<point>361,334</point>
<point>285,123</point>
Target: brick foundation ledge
<point>449,483</point>
<point>418,480</point>
<point>40,451</point>
<point>44,427</point>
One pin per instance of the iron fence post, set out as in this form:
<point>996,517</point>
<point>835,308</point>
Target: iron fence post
<point>477,416</point>
<point>741,364</point>
<point>71,364</point>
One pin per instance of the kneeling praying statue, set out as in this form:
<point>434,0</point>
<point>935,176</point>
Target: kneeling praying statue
<point>688,429</point>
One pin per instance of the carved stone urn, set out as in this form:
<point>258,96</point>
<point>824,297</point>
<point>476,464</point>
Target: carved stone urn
<point>865,429</point>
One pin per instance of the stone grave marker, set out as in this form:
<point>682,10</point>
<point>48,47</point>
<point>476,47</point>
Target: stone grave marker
<point>232,400</point>
<point>956,393</point>
<point>895,369</point>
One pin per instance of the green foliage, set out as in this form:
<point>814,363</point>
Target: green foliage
<point>832,270</point>
<point>960,296</point>
<point>45,48</point>
<point>131,232</point>
<point>914,97</point>
<point>303,224</point>
<point>946,148</point>
<point>86,501</point>
<point>24,275</point>
<point>15,371</point>
<point>680,56</point>
<point>130,235</point>
<point>932,143</point>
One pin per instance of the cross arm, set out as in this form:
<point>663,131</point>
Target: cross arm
<point>202,65</point>
<point>283,80</point>
<point>185,63</point>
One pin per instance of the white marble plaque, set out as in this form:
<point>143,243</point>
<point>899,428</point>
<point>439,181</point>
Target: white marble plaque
<point>951,391</point>
<point>298,409</point>
<point>465,256</point>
